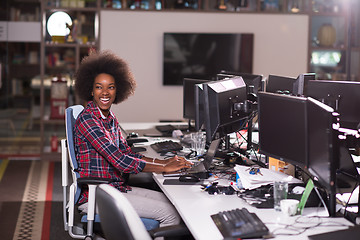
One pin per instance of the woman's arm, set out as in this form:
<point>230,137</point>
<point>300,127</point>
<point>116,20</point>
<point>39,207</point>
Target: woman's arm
<point>169,165</point>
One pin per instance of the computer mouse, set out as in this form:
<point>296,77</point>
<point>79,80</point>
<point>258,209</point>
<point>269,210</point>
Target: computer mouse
<point>189,178</point>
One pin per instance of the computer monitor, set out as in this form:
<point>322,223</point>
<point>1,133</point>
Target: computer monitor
<point>225,105</point>
<point>280,84</point>
<point>300,131</point>
<point>300,85</point>
<point>253,82</point>
<point>343,96</point>
<point>323,158</point>
<point>189,98</point>
<point>282,127</point>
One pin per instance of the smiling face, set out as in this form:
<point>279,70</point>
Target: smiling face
<point>104,92</point>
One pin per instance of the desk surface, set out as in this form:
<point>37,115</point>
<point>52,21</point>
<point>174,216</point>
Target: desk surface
<point>196,207</point>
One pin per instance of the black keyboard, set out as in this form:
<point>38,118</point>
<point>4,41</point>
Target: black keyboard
<point>239,223</point>
<point>166,146</point>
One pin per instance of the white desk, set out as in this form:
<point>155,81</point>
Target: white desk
<point>196,206</point>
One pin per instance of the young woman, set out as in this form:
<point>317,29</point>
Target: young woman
<point>104,79</point>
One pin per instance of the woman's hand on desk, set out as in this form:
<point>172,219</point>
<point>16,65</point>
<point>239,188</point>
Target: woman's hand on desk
<point>176,163</point>
<point>176,159</point>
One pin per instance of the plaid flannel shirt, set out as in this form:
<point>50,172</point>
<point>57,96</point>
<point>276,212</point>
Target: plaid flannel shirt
<point>102,151</point>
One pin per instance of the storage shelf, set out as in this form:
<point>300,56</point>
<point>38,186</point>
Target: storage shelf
<point>62,59</point>
<point>328,48</point>
<point>69,45</point>
<point>67,9</point>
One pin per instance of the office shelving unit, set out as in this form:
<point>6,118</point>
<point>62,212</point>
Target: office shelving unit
<point>19,65</point>
<point>60,58</point>
<point>243,6</point>
<point>333,44</point>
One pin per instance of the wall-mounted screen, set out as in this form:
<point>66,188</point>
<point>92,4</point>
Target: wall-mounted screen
<point>203,55</point>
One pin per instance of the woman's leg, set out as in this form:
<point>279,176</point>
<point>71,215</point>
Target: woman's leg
<point>153,204</point>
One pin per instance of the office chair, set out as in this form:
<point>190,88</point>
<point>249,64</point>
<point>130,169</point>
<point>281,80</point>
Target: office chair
<point>119,218</point>
<point>70,199</point>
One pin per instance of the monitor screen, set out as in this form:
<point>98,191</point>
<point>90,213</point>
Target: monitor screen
<point>189,104</point>
<point>203,55</point>
<point>343,96</point>
<point>223,101</point>
<point>282,127</point>
<point>280,84</point>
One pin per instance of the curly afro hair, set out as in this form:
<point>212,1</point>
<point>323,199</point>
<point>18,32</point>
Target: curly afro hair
<point>104,62</point>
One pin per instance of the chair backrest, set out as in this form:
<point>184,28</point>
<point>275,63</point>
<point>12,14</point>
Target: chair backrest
<point>118,217</point>
<point>71,115</point>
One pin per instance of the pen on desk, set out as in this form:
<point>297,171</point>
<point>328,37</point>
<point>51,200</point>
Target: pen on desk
<point>209,185</point>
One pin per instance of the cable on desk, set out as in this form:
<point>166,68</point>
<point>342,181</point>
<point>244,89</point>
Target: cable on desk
<point>293,229</point>
<point>252,149</point>
<point>242,127</point>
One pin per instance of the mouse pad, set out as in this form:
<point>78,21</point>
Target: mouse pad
<point>175,181</point>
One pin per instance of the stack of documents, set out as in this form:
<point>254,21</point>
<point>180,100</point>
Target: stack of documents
<point>264,177</point>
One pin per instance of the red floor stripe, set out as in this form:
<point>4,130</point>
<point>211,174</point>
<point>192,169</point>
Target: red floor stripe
<point>45,235</point>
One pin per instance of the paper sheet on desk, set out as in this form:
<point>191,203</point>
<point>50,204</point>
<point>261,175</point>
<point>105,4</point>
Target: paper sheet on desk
<point>267,176</point>
<point>349,198</point>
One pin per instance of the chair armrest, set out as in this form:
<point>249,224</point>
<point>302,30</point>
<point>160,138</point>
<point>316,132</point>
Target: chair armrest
<point>170,231</point>
<point>93,180</point>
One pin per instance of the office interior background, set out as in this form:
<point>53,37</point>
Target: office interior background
<point>37,69</point>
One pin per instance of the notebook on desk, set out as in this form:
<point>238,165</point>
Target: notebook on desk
<point>202,166</point>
